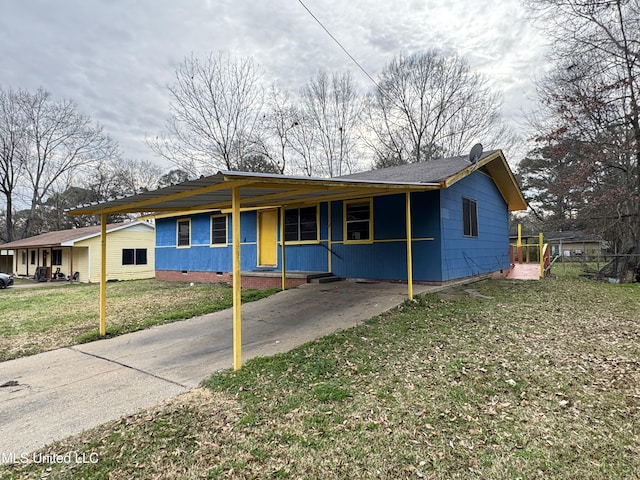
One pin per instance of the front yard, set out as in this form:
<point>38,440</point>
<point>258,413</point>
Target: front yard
<point>499,380</point>
<point>33,320</point>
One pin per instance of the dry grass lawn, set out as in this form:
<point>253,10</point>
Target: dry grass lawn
<point>33,320</point>
<point>525,380</point>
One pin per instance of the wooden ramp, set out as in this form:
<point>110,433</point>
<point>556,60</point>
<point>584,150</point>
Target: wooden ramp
<point>524,271</point>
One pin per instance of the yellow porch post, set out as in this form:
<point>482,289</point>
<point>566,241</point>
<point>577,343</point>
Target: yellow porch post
<point>103,274</point>
<point>409,254</point>
<point>237,281</point>
<point>282,252</point>
<point>540,255</point>
<point>519,243</point>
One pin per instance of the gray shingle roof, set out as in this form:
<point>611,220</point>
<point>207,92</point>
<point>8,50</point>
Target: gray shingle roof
<point>423,172</point>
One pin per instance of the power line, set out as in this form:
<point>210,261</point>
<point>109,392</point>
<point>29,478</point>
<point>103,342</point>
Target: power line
<point>340,45</point>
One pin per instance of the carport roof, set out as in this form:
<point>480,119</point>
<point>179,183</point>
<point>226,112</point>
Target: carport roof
<point>258,190</point>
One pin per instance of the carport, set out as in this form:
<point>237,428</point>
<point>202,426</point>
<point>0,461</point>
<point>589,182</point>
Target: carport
<point>239,191</point>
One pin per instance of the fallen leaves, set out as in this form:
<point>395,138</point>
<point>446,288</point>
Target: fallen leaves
<point>540,381</point>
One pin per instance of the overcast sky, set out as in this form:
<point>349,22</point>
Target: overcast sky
<point>115,58</point>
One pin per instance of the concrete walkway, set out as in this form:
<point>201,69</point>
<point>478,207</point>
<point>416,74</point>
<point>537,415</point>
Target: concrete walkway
<point>56,394</point>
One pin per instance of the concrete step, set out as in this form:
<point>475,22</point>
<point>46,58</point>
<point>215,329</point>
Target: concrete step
<point>328,278</point>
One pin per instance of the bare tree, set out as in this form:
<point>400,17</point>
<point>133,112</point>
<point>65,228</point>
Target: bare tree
<point>13,149</point>
<point>276,138</point>
<point>330,120</point>
<point>61,140</point>
<point>50,141</point>
<point>215,112</point>
<point>588,107</point>
<point>428,105</point>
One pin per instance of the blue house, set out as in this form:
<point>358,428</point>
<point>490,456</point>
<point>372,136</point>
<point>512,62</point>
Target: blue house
<point>429,222</point>
<point>432,222</point>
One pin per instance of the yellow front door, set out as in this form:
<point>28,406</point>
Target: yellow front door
<point>267,230</point>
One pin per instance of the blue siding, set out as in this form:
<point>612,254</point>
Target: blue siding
<point>202,257</point>
<point>386,258</point>
<point>489,252</point>
<point>440,250</point>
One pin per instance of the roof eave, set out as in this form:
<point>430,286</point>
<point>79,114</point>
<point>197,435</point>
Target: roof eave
<point>499,169</point>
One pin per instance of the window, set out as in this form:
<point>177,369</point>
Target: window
<point>219,234</point>
<point>141,256</point>
<point>24,257</point>
<point>470,217</point>
<point>56,257</point>
<point>184,233</point>
<point>131,256</point>
<point>358,224</point>
<point>128,256</point>
<point>33,257</point>
<point>301,224</point>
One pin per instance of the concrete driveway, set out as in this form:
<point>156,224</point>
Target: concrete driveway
<point>55,394</point>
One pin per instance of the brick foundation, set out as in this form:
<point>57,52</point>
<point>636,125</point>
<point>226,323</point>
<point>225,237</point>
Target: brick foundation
<point>247,281</point>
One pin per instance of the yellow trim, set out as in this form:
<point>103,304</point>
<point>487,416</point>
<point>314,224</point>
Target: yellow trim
<point>178,220</point>
<point>303,242</point>
<point>243,209</point>
<point>138,206</point>
<point>541,254</point>
<point>283,258</point>
<point>332,196</point>
<point>409,254</point>
<point>274,196</point>
<point>181,213</point>
<point>260,261</point>
<point>344,221</point>
<point>237,280</point>
<point>103,274</point>
<point>391,240</point>
<point>226,230</point>
<point>498,168</point>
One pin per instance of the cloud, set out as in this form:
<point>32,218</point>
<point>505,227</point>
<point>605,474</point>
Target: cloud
<point>114,59</point>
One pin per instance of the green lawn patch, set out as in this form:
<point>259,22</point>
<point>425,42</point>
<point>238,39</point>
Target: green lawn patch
<point>33,320</point>
<point>541,380</point>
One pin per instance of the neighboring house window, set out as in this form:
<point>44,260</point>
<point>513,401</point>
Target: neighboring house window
<point>56,257</point>
<point>301,224</point>
<point>184,233</point>
<point>219,233</point>
<point>134,256</point>
<point>33,257</point>
<point>24,257</point>
<point>141,256</point>
<point>470,217</point>
<point>358,222</point>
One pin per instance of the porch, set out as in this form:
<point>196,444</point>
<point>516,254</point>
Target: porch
<point>260,278</point>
